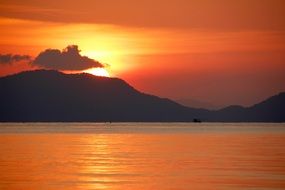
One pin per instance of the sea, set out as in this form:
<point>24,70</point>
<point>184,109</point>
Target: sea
<point>142,156</point>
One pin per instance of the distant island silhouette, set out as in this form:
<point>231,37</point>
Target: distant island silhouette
<point>52,96</point>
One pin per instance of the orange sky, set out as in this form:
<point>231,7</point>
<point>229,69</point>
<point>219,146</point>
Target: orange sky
<point>223,52</point>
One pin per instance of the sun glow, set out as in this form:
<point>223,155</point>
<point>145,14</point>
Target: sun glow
<point>97,72</point>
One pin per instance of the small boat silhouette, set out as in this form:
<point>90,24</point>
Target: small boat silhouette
<point>195,120</point>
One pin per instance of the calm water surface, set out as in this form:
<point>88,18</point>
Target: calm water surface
<point>142,156</point>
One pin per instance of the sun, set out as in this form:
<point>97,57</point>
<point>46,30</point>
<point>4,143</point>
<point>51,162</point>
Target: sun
<point>97,72</point>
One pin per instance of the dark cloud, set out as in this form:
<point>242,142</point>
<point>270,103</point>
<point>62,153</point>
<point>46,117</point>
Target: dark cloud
<point>10,58</point>
<point>67,59</point>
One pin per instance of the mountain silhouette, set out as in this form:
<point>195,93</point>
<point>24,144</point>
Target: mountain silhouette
<point>47,95</point>
<point>270,110</point>
<point>51,96</point>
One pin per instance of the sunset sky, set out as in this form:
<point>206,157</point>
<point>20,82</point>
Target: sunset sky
<point>218,51</point>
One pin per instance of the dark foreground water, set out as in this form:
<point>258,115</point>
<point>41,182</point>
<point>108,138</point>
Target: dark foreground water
<point>142,156</point>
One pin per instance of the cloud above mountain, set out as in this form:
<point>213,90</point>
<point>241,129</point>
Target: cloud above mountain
<point>12,58</point>
<point>67,59</point>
